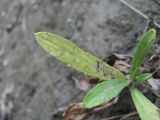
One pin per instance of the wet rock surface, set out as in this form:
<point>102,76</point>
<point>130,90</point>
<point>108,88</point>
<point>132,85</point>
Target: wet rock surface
<point>41,83</point>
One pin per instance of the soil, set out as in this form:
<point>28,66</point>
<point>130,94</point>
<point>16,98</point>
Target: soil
<point>41,83</point>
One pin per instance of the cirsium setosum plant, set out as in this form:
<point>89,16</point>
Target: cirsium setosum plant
<point>113,81</point>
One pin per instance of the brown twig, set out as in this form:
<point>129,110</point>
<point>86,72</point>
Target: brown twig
<point>113,117</point>
<point>121,117</point>
<point>97,109</point>
<point>125,117</point>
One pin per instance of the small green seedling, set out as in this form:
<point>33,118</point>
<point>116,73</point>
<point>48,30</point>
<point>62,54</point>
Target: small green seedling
<point>113,81</point>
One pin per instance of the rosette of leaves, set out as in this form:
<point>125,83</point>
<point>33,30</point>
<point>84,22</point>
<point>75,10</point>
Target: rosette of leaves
<point>112,80</point>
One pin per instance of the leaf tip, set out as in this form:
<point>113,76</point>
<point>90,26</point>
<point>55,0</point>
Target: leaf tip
<point>152,32</point>
<point>40,37</point>
<point>37,35</point>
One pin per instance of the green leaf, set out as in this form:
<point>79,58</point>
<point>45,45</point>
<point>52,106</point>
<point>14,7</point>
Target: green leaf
<point>104,92</point>
<point>67,52</point>
<point>146,109</point>
<point>141,51</point>
<point>143,77</point>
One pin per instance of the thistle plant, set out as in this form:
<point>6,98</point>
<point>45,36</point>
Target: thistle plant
<point>112,80</point>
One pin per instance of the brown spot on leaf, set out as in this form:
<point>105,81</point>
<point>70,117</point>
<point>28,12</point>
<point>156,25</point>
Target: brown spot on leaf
<point>97,66</point>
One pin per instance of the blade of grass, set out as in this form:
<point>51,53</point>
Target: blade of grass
<point>146,109</point>
<point>143,77</point>
<point>67,52</point>
<point>143,47</point>
<point>104,92</point>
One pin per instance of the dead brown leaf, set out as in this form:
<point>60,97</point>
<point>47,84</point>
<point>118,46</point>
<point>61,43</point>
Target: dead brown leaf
<point>116,57</point>
<point>74,112</point>
<point>122,66</point>
<point>84,85</point>
<point>120,61</point>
